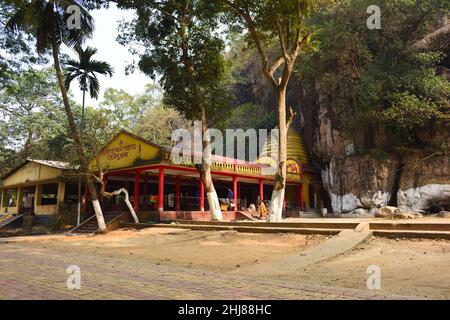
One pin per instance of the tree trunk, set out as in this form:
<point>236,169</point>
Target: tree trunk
<point>84,164</point>
<point>127,201</point>
<point>79,176</point>
<point>205,175</point>
<point>27,145</point>
<point>277,201</point>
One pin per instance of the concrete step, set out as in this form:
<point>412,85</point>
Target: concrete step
<point>395,234</point>
<point>91,226</point>
<point>6,221</point>
<point>258,223</point>
<point>250,229</point>
<point>411,226</point>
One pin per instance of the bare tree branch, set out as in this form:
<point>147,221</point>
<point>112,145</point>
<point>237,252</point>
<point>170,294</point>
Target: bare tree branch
<point>245,14</point>
<point>281,39</point>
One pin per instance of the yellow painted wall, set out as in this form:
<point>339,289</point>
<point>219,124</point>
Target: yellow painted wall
<point>45,210</point>
<point>8,210</point>
<point>30,173</point>
<point>4,208</point>
<point>123,151</point>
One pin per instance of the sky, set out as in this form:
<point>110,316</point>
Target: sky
<point>104,39</point>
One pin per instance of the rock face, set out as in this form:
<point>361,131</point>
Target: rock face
<point>358,182</point>
<point>426,185</point>
<point>417,181</point>
<point>389,212</point>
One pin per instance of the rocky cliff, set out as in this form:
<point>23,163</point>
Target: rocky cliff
<point>414,181</point>
<point>417,180</point>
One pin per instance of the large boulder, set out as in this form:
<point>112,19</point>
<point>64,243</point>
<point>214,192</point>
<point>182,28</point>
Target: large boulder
<point>355,182</point>
<point>390,212</point>
<point>425,184</point>
<point>427,198</point>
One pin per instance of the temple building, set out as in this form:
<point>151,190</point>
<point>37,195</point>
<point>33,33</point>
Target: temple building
<point>158,187</point>
<point>173,191</point>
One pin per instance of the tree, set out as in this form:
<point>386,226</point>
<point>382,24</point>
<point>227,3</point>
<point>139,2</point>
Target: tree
<point>158,124</point>
<point>130,109</point>
<point>31,105</point>
<point>385,90</point>
<point>266,21</point>
<point>16,54</point>
<point>182,47</point>
<point>46,22</point>
<point>124,106</point>
<point>85,70</point>
<point>260,119</point>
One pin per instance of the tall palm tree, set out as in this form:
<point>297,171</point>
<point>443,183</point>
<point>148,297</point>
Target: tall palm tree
<point>85,70</point>
<point>46,21</point>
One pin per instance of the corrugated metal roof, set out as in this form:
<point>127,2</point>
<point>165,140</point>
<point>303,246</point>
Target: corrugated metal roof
<point>53,164</point>
<point>49,163</point>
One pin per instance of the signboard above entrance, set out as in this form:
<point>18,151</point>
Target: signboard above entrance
<point>126,150</point>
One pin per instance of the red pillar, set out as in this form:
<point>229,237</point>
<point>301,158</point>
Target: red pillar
<point>202,195</point>
<point>145,189</point>
<point>161,189</point>
<point>261,189</point>
<point>236,207</point>
<point>177,193</point>
<point>137,178</point>
<point>300,196</point>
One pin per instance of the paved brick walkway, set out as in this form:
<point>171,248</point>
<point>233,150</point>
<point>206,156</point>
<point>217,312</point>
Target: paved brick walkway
<point>36,273</point>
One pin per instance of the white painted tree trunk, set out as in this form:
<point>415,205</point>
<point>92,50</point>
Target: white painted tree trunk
<point>277,201</point>
<point>214,206</point>
<point>276,206</point>
<point>127,201</point>
<point>99,216</point>
<point>205,173</point>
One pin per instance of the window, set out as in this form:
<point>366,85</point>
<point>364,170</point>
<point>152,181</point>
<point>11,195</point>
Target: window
<point>11,198</point>
<point>49,194</point>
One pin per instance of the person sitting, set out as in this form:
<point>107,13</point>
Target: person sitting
<point>262,210</point>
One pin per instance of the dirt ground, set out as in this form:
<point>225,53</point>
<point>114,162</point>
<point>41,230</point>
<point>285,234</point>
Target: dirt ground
<point>412,267</point>
<point>408,267</point>
<point>218,251</point>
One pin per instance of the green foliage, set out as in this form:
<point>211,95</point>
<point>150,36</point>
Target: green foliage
<point>158,124</point>
<point>46,22</point>
<point>16,53</point>
<point>266,14</point>
<point>249,116</point>
<point>379,78</point>
<point>30,106</point>
<point>101,125</point>
<point>128,110</point>
<point>183,49</point>
<point>85,69</point>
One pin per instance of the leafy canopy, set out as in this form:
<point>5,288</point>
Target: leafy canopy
<point>184,51</point>
<point>85,69</point>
